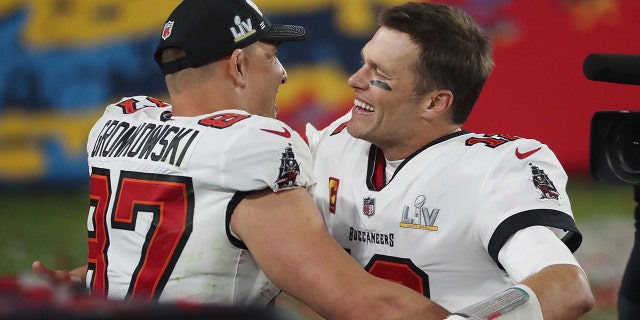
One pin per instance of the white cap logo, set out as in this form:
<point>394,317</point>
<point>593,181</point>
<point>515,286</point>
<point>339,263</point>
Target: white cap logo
<point>242,28</point>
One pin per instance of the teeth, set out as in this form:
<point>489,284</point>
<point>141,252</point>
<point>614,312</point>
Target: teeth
<point>362,105</point>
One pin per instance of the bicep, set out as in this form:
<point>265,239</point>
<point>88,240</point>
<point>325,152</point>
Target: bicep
<point>530,250</point>
<point>286,235</point>
<point>260,217</point>
<point>283,229</point>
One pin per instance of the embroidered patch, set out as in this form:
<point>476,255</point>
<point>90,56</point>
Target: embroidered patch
<point>289,170</point>
<point>542,182</point>
<point>368,206</point>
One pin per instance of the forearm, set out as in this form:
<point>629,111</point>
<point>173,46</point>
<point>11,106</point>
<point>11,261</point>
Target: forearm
<point>557,292</point>
<point>293,248</point>
<point>563,291</point>
<point>393,301</point>
<point>342,289</point>
<point>536,258</point>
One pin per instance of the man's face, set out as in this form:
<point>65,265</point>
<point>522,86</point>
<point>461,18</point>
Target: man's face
<point>266,74</point>
<point>384,112</point>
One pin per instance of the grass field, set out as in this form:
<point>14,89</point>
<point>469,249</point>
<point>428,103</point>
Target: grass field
<point>50,225</point>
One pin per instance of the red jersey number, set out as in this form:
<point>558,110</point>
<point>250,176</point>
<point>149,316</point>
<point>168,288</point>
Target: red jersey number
<point>399,270</point>
<point>170,200</point>
<point>491,141</point>
<point>222,120</point>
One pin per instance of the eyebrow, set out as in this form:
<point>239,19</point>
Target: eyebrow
<point>381,70</point>
<point>374,65</point>
<point>368,62</point>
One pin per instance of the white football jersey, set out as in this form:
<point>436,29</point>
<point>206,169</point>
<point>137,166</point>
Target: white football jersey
<point>437,224</point>
<point>163,189</point>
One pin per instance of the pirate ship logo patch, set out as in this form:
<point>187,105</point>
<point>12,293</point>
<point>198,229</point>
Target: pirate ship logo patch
<point>289,170</point>
<point>368,206</point>
<point>542,182</point>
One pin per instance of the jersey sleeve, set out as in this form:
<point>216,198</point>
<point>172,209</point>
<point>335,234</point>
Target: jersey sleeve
<point>526,186</point>
<point>316,137</point>
<point>265,153</point>
<point>532,249</point>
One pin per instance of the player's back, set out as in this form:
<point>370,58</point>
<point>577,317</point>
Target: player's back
<point>162,192</point>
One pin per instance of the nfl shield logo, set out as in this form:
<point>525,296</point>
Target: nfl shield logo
<point>166,32</point>
<point>368,206</point>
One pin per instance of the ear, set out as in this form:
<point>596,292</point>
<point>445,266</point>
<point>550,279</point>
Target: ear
<point>236,67</point>
<point>438,104</point>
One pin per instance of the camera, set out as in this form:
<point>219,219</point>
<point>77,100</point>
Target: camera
<point>615,147</point>
<point>615,135</point>
<point>615,158</point>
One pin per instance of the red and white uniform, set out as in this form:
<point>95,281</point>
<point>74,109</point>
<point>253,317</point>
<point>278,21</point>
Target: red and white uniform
<point>438,223</point>
<point>163,190</point>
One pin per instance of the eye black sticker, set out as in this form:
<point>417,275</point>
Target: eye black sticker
<point>380,84</point>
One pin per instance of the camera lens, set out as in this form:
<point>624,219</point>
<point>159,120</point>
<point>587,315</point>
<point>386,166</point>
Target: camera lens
<point>615,147</point>
<point>627,148</point>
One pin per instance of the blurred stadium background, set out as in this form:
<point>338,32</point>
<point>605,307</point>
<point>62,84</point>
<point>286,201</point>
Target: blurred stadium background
<point>62,61</point>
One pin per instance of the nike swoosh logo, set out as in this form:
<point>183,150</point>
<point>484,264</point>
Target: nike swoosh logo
<point>524,155</point>
<point>285,133</point>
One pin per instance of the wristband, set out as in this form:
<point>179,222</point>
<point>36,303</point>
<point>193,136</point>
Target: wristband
<point>516,303</point>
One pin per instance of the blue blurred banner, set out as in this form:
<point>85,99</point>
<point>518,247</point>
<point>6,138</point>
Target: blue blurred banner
<point>62,62</point>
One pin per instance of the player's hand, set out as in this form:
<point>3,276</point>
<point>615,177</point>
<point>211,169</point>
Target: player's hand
<point>74,277</point>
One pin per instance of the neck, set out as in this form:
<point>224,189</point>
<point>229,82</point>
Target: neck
<point>204,99</point>
<point>198,91</point>
<point>398,151</point>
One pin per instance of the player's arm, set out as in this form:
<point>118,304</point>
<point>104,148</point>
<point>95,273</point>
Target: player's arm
<point>537,258</point>
<point>286,235</point>
<point>557,291</point>
<point>552,285</point>
<point>562,290</point>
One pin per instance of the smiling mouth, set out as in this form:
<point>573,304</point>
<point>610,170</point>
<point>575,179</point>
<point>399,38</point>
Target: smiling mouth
<point>359,104</point>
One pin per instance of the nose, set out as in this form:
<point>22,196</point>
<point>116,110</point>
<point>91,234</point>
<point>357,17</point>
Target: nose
<point>356,80</point>
<point>285,77</point>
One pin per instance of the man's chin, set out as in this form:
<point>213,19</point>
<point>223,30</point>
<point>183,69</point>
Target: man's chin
<point>355,130</point>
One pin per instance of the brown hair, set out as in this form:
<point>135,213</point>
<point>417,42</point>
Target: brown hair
<point>454,52</point>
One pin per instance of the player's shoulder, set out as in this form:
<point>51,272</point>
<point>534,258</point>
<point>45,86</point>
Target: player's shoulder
<point>332,135</point>
<point>498,143</point>
<point>240,122</point>
<point>505,150</point>
<point>240,130</point>
<point>134,104</point>
<point>250,148</point>
<point>338,126</point>
<point>132,110</point>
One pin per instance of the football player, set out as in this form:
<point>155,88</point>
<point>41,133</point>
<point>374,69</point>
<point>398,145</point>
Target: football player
<point>458,216</point>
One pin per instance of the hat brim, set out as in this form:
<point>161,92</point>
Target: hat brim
<point>280,33</point>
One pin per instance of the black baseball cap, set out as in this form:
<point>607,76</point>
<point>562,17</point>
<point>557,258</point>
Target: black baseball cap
<point>207,30</point>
